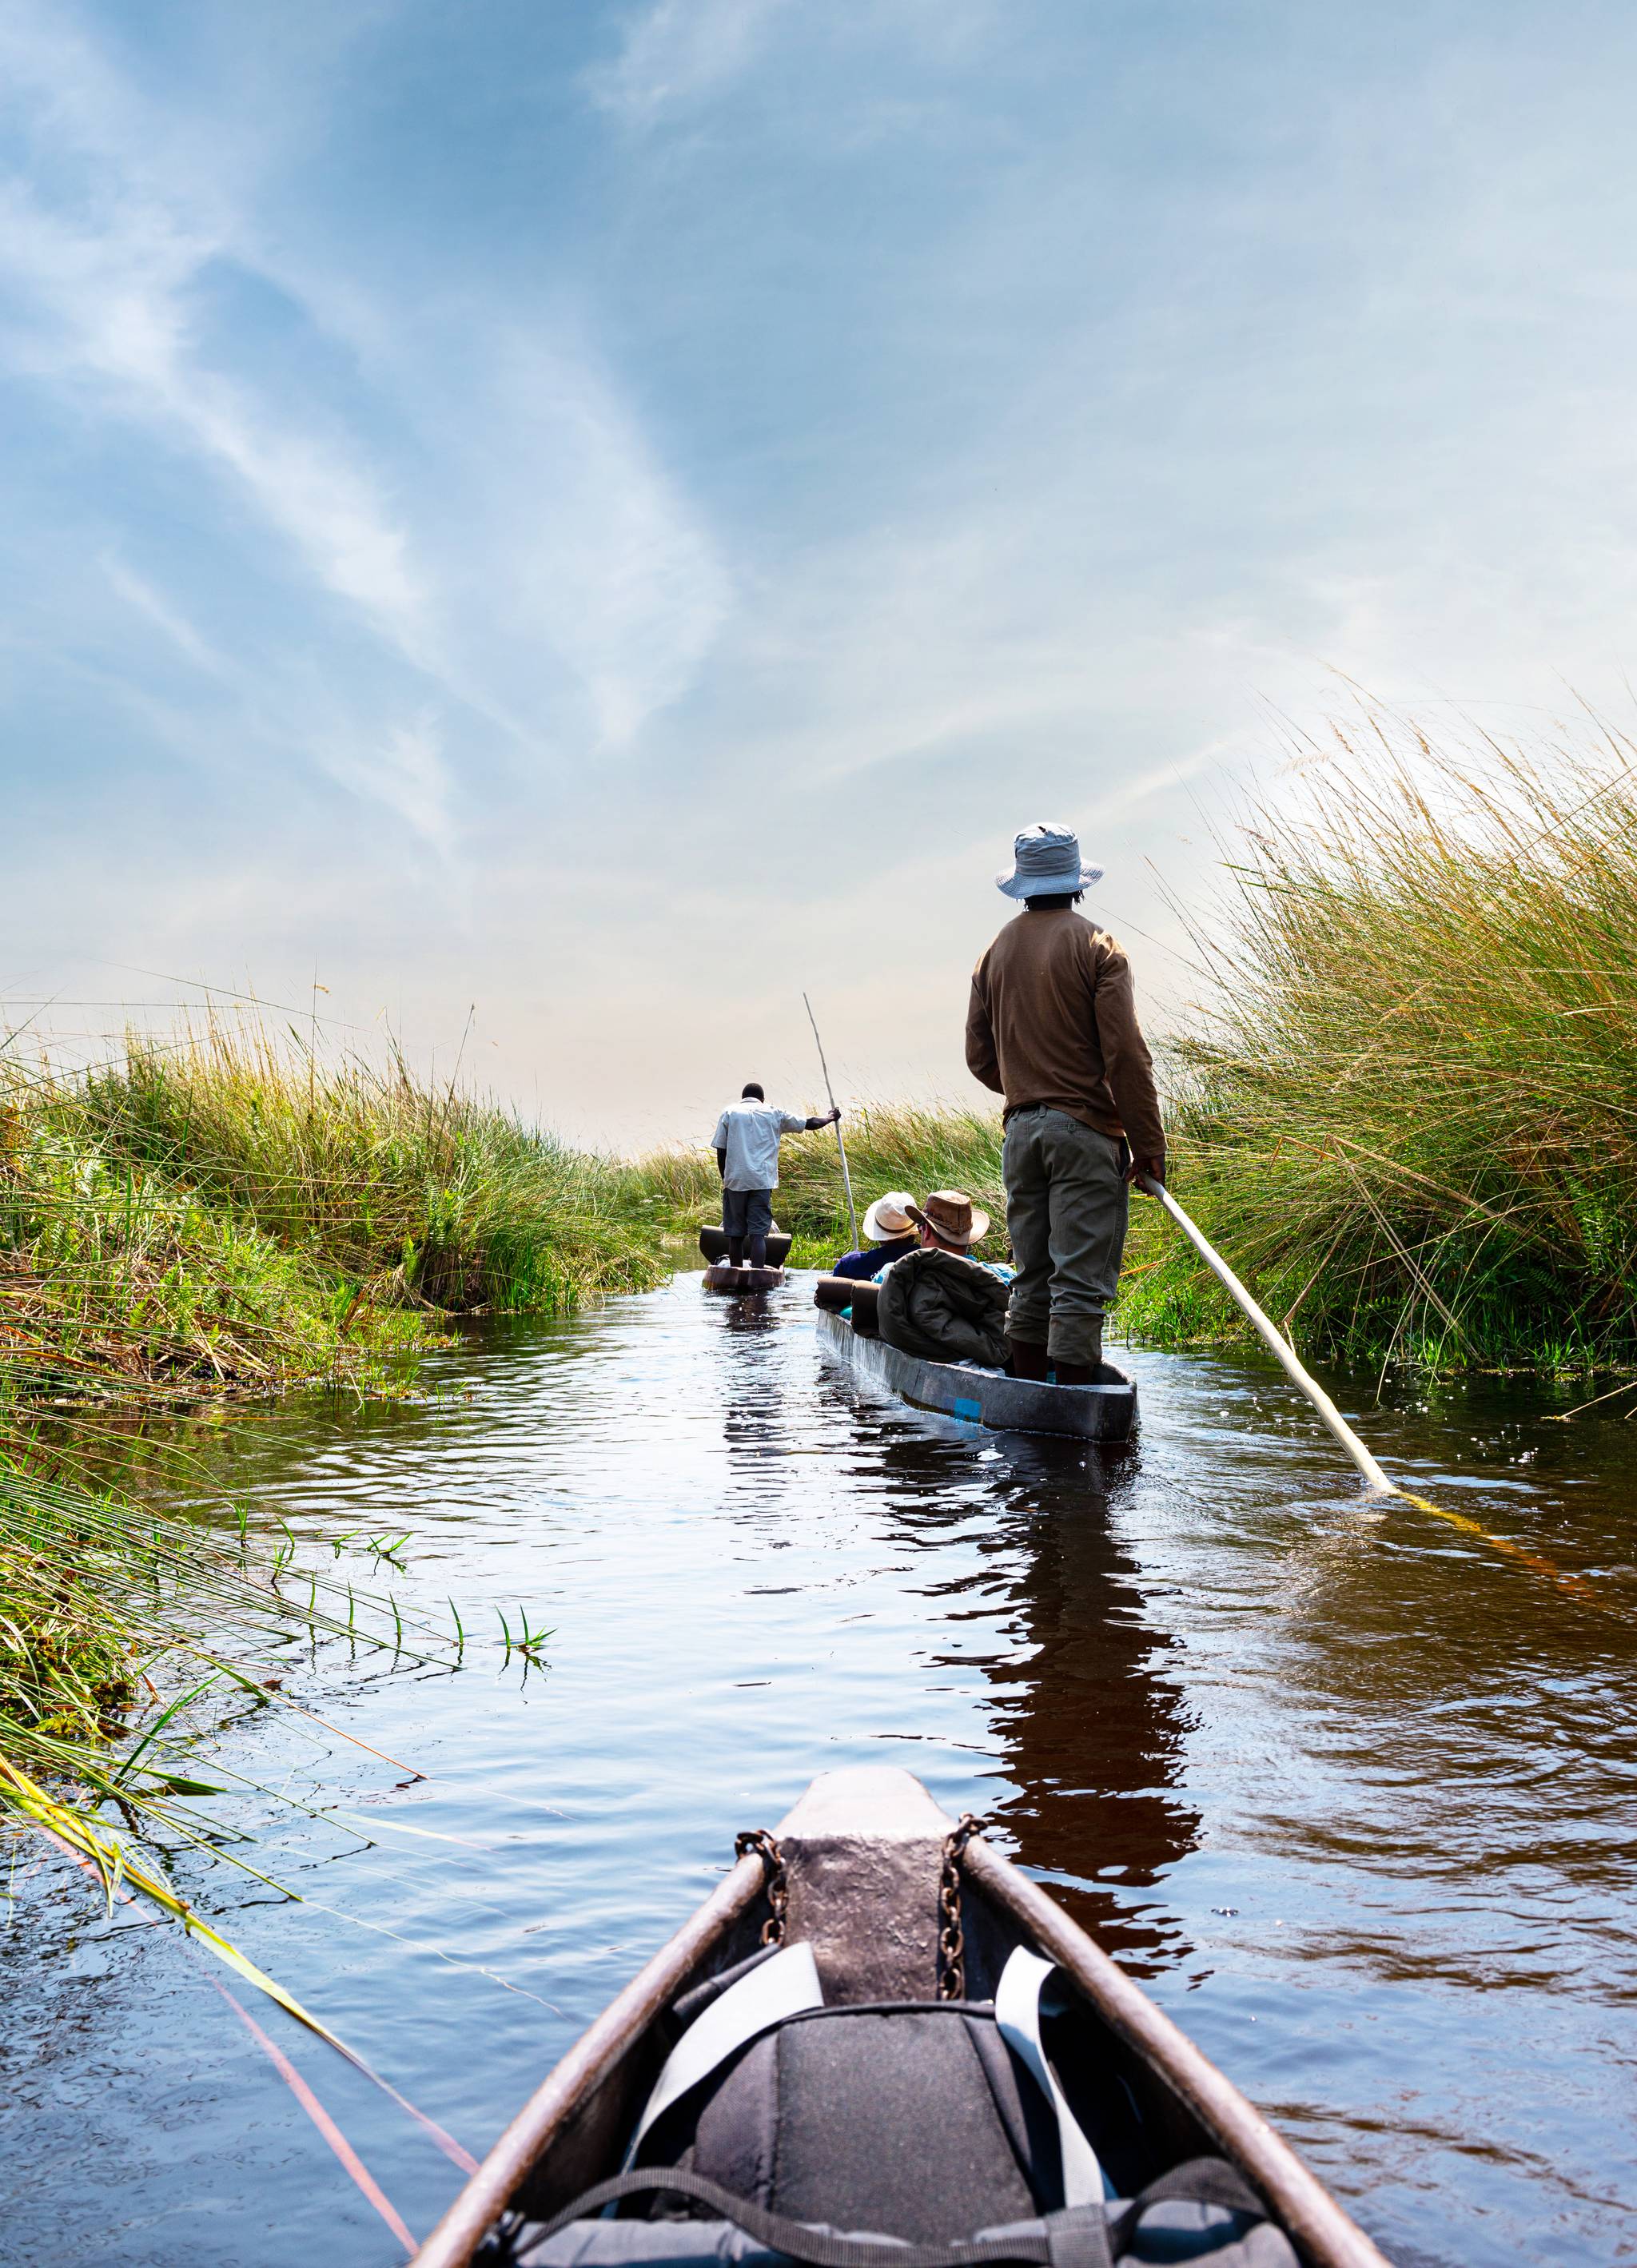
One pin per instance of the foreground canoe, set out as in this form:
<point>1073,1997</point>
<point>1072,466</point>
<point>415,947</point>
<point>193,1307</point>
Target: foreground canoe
<point>741,1283</point>
<point>888,1894</point>
<point>1106,1412</point>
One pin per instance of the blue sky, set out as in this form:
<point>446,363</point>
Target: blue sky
<point>616,513</point>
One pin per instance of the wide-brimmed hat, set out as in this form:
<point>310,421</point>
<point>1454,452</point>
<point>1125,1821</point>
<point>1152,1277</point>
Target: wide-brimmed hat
<point>951,1214</point>
<point>889,1217</point>
<point>1045,863</point>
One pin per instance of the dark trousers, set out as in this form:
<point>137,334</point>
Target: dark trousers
<point>1066,1207</point>
<point>747,1221</point>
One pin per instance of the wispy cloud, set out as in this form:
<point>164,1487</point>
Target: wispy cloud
<point>111,245</point>
<point>137,591</point>
<point>402,768</point>
<point>105,301</point>
<point>606,559</point>
<point>676,53</point>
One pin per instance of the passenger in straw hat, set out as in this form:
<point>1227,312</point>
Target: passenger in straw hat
<point>1051,1025</point>
<point>950,1222</point>
<point>939,1301</point>
<point>887,1231</point>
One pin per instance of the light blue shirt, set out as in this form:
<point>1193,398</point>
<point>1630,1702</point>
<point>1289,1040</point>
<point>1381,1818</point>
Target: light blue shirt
<point>749,1131</point>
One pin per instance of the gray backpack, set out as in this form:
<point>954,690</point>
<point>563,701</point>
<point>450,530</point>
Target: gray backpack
<point>908,2134</point>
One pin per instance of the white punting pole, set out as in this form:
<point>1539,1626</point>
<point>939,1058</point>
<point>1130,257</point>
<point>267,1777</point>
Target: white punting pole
<point>846,1178</point>
<point>1276,1344</point>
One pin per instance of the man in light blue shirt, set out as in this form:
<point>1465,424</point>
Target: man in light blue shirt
<point>746,1142</point>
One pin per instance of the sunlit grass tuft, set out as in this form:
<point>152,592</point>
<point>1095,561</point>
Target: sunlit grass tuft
<point>1409,1111</point>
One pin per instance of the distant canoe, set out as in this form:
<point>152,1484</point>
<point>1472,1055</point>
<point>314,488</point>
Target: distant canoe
<point>740,1283</point>
<point>713,1246</point>
<point>1105,1412</point>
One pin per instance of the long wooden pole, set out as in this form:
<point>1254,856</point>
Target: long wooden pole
<point>846,1178</point>
<point>1274,1340</point>
<point>1284,1354</point>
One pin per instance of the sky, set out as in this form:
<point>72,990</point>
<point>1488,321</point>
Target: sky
<point>571,522</point>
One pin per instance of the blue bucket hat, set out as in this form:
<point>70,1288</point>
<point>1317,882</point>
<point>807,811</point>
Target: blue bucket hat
<point>1046,865</point>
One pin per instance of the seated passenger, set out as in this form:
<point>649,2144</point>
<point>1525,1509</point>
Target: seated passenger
<point>889,1232</point>
<point>938,1302</point>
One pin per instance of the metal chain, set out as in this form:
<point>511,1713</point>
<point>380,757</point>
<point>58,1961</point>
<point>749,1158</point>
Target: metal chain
<point>951,1937</point>
<point>758,1840</point>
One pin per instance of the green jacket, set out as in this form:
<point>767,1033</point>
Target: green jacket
<point>943,1308</point>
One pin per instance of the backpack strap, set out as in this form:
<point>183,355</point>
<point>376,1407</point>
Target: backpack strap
<point>1075,2239</point>
<point>1202,2181</point>
<point>1026,1989</point>
<point>783,1986</point>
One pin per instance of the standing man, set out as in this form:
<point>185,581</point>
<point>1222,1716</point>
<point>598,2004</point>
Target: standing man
<point>746,1142</point>
<point>1053,1025</point>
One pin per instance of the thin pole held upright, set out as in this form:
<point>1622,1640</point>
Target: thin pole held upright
<point>846,1178</point>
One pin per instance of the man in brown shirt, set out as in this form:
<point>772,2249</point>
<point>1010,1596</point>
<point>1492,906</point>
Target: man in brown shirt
<point>1053,1025</point>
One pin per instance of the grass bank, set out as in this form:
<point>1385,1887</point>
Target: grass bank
<point>217,1215</point>
<point>1408,1109</point>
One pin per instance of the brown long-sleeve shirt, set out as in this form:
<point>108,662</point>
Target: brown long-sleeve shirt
<point>1053,1020</point>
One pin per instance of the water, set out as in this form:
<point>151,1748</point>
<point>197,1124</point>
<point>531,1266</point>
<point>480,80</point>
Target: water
<point>1351,1789</point>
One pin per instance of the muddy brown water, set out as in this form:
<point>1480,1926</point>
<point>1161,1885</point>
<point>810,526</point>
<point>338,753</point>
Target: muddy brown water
<point>1352,1791</point>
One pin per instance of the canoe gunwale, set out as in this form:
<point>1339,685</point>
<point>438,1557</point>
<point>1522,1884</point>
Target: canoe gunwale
<point>845,1872</point>
<point>588,2067</point>
<point>1323,2232</point>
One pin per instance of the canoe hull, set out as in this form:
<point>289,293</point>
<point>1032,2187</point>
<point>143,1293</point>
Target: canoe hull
<point>987,1397</point>
<point>741,1282</point>
<point>863,1851</point>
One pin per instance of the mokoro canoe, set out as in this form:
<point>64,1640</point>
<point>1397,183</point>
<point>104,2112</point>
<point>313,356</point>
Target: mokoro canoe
<point>1106,1412</point>
<point>738,1283</point>
<point>862,1858</point>
<point>713,1246</point>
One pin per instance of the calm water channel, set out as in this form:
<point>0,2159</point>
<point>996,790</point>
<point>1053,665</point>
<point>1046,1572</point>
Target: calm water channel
<point>1354,1791</point>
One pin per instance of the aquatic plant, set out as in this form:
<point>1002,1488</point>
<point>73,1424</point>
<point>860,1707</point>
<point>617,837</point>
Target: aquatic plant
<point>116,1625</point>
<point>116,1278</point>
<point>1407,1108</point>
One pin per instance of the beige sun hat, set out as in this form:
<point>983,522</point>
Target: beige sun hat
<point>951,1214</point>
<point>889,1217</point>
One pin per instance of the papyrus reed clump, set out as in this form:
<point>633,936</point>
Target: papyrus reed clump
<point>1409,1113</point>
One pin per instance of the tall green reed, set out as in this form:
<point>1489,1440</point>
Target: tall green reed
<point>1407,1109</point>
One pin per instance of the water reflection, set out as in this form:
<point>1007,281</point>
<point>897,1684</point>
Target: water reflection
<point>1088,1732</point>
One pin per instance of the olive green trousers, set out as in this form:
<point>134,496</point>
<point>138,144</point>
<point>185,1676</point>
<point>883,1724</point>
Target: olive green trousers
<point>1068,1206</point>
